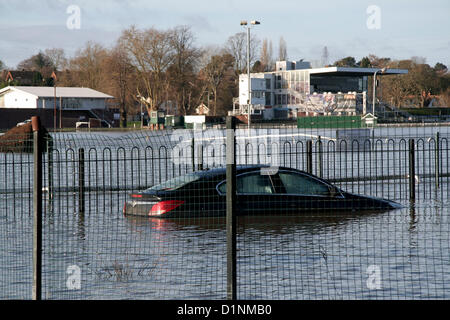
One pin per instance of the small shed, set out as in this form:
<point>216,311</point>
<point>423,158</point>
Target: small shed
<point>157,117</point>
<point>369,120</point>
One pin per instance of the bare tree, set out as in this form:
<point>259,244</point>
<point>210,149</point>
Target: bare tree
<point>266,55</point>
<point>57,57</point>
<point>88,66</point>
<point>35,62</point>
<point>421,82</point>
<point>215,73</point>
<point>181,72</point>
<point>377,62</point>
<point>282,50</point>
<point>121,79</point>
<point>151,53</point>
<point>237,47</point>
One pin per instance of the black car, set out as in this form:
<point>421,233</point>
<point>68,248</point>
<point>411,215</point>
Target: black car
<point>261,190</point>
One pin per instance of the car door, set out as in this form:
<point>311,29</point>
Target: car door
<point>305,193</point>
<point>254,193</point>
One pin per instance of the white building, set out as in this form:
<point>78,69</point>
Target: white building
<point>296,89</point>
<point>67,98</point>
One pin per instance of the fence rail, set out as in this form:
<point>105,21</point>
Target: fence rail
<point>90,250</point>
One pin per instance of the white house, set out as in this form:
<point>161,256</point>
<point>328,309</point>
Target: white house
<point>67,98</point>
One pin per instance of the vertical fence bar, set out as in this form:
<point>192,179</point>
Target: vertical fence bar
<point>193,153</point>
<point>319,157</point>
<point>309,156</point>
<point>81,181</point>
<point>230,210</point>
<point>200,156</point>
<point>412,170</point>
<point>437,160</point>
<point>37,209</point>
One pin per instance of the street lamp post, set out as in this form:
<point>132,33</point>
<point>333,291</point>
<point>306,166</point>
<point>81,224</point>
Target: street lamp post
<point>244,23</point>
<point>383,70</point>
<point>54,100</point>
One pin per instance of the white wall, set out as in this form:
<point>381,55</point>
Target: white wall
<point>24,100</point>
<point>195,119</point>
<point>257,84</point>
<point>15,99</point>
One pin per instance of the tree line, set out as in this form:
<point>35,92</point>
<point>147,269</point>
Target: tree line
<point>167,68</point>
<point>152,67</point>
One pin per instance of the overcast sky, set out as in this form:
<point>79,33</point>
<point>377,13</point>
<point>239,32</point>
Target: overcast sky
<point>398,29</point>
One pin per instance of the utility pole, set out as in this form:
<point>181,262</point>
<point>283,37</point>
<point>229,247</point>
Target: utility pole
<point>54,99</point>
<point>249,100</point>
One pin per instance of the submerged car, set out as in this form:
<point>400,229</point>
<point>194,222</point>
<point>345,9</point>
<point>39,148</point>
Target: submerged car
<point>260,190</point>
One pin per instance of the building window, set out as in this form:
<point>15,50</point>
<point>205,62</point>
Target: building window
<point>268,96</point>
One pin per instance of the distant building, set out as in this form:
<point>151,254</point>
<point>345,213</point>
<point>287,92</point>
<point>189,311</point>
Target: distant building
<point>295,89</point>
<point>23,78</point>
<point>67,98</point>
<point>202,109</point>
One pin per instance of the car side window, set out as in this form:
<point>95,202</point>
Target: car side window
<point>254,183</point>
<point>296,183</point>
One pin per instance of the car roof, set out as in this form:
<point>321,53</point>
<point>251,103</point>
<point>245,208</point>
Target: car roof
<point>220,171</point>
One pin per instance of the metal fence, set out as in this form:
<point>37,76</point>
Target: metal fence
<point>91,250</point>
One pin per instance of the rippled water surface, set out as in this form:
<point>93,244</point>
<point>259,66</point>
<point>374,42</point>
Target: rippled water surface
<point>400,254</point>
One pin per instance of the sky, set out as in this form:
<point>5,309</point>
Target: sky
<point>399,29</point>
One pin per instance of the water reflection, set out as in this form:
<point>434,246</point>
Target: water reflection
<point>280,224</point>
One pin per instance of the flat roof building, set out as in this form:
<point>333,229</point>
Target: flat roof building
<point>68,98</point>
<point>302,90</point>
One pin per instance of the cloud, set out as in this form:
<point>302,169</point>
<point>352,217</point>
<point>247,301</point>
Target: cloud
<point>199,23</point>
<point>19,43</point>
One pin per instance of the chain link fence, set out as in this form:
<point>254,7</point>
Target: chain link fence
<point>285,247</point>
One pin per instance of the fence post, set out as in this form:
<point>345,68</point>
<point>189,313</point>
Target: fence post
<point>437,160</point>
<point>230,208</point>
<point>81,181</point>
<point>309,156</point>
<point>37,209</point>
<point>319,157</point>
<point>200,156</point>
<point>412,170</point>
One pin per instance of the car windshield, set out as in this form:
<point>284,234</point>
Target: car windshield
<point>175,183</point>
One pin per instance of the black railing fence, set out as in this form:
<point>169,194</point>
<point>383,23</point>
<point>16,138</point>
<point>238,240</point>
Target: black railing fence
<point>90,250</point>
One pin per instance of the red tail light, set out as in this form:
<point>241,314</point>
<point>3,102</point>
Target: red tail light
<point>136,195</point>
<point>164,207</point>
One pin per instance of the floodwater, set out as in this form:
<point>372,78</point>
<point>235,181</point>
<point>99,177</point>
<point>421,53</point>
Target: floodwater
<point>100,254</point>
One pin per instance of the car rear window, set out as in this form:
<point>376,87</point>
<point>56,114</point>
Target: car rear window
<point>175,183</point>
